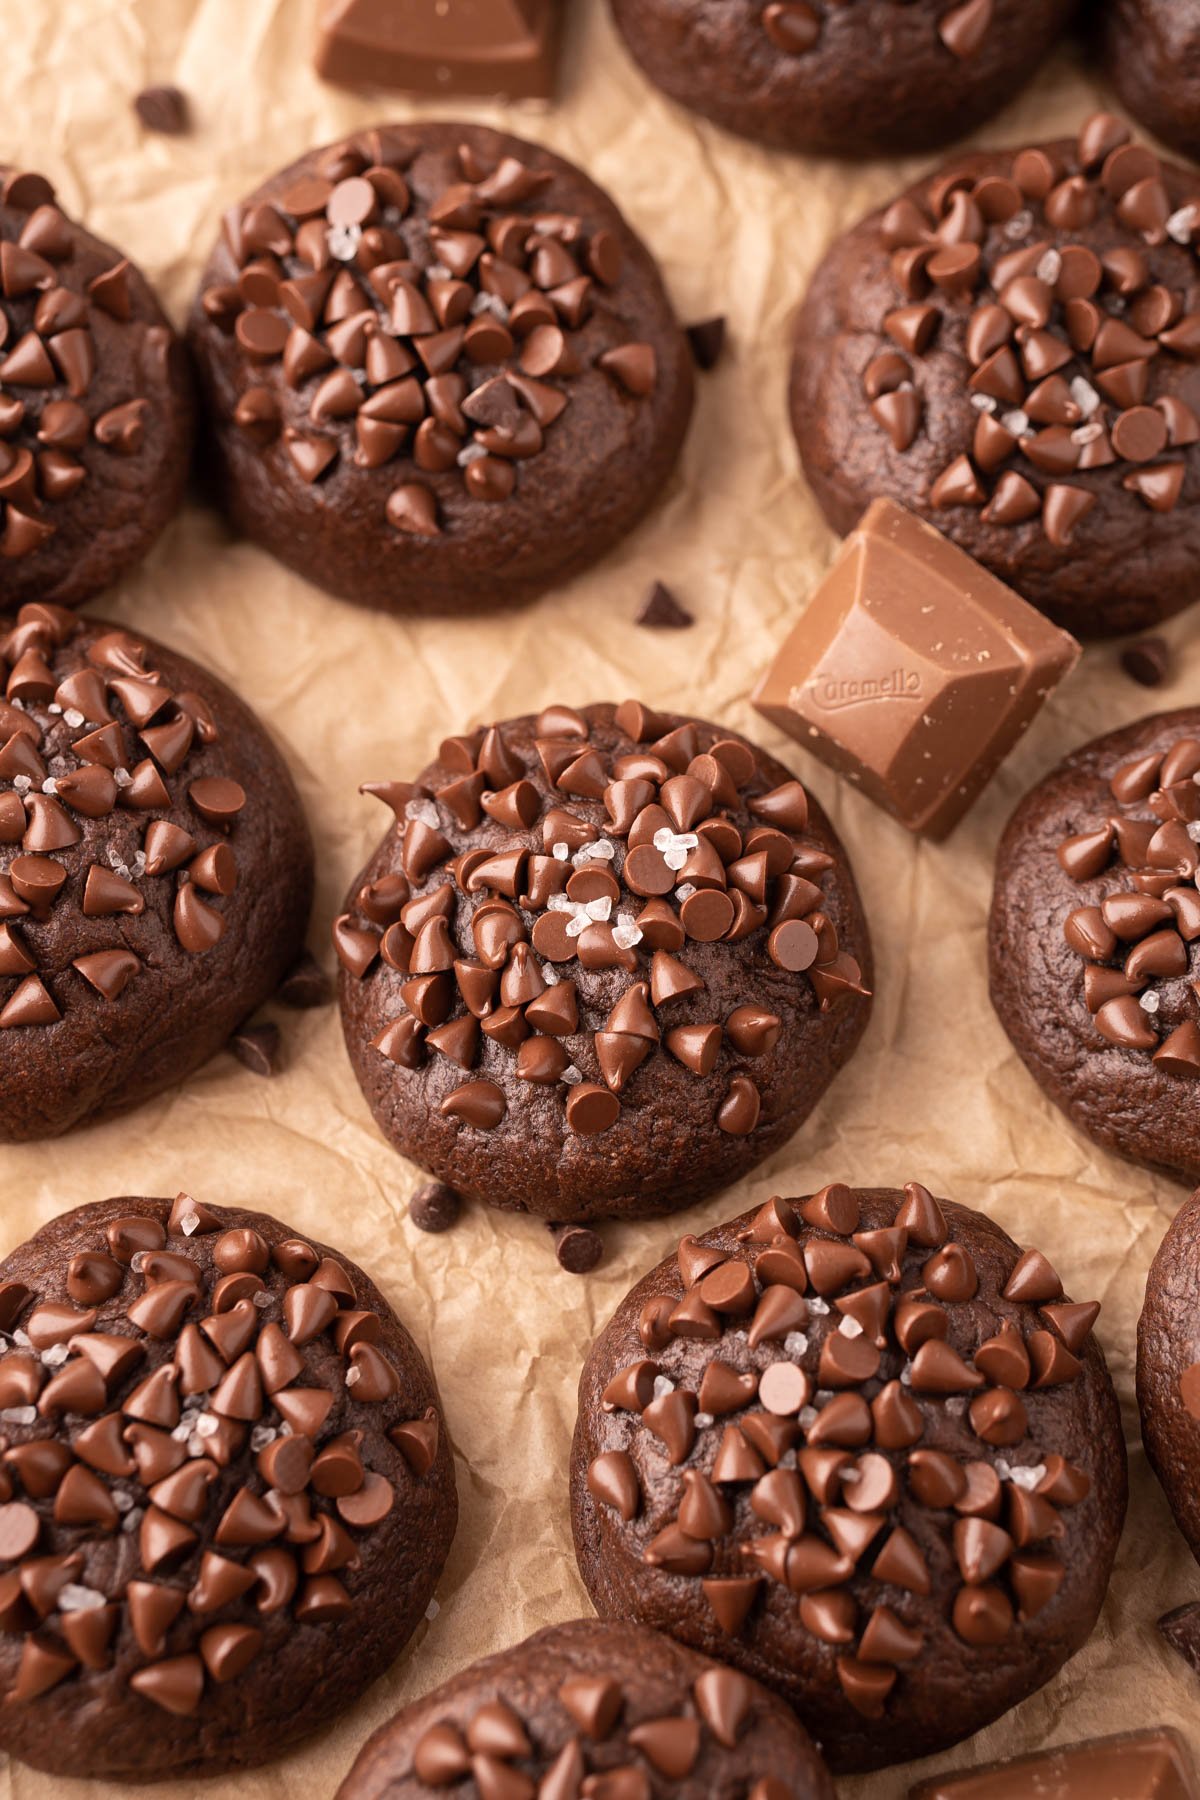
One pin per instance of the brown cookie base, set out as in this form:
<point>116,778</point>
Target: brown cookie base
<point>1168,1352</point>
<point>1151,54</point>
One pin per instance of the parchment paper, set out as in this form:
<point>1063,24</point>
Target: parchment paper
<point>934,1093</point>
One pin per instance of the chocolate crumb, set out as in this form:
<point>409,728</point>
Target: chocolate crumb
<point>163,109</point>
<point>257,1048</point>
<point>662,610</point>
<point>305,985</point>
<point>1181,1628</point>
<point>1146,661</point>
<point>577,1247</point>
<point>435,1207</point>
<point>707,340</point>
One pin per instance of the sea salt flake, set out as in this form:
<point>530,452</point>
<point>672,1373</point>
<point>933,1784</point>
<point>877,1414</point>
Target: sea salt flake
<point>1019,225</point>
<point>122,777</point>
<point>550,975</point>
<point>559,903</point>
<point>1050,267</point>
<point>188,1222</point>
<point>353,1375</point>
<point>423,811</point>
<point>1149,1001</point>
<point>19,1415</point>
<point>23,1338</point>
<point>54,707</point>
<point>684,891</point>
<point>560,852</point>
<point>626,933</point>
<point>571,1075</point>
<point>439,272</point>
<point>1084,395</point>
<point>818,1306</point>
<point>470,453</point>
<point>432,1610</point>
<point>139,863</point>
<point>263,1299</point>
<point>73,717</point>
<point>1029,1478</point>
<point>906,1375</point>
<point>57,1353</point>
<point>663,1385</point>
<point>1016,421</point>
<point>808,1417</point>
<point>955,1404</point>
<point>851,1476</point>
<point>795,1343</point>
<point>132,1519</point>
<point>343,241</point>
<point>702,1420</point>
<point>985,403</point>
<point>599,911</point>
<point>490,303</point>
<point>208,1425</point>
<point>261,1436</point>
<point>76,1598</point>
<point>49,786</point>
<point>1087,434</point>
<point>578,924</point>
<point>850,1327</point>
<point>22,783</point>
<point>137,1261</point>
<point>1181,224</point>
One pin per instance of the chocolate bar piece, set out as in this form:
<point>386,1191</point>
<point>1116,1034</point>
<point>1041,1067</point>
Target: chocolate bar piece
<point>504,48</point>
<point>1136,1765</point>
<point>913,671</point>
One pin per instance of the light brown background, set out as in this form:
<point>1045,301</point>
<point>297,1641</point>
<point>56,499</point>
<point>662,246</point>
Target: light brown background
<point>934,1093</point>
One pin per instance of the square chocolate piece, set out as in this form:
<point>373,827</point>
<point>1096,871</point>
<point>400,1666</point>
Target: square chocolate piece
<point>913,671</point>
<point>502,48</point>
<point>1136,1765</point>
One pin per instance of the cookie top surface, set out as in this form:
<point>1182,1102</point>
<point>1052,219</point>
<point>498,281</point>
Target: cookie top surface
<point>1095,938</point>
<point>442,352</point>
<point>95,405</point>
<point>227,1494</point>
<point>1010,349</point>
<point>599,953</point>
<point>862,1448</point>
<point>149,831</point>
<point>1168,1368</point>
<point>613,1706</point>
<point>1149,49</point>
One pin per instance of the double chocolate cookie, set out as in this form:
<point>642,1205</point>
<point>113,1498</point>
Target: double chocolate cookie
<point>1095,939</point>
<point>442,371</point>
<point>861,1448</point>
<point>603,962</point>
<point>849,77</point>
<point>155,869</point>
<point>96,415</point>
<point>1151,54</point>
<point>226,1494</point>
<point>1168,1368</point>
<point>615,1712</point>
<point>1011,350</point>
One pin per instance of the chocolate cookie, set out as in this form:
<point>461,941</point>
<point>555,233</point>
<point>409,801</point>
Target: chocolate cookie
<point>155,869</point>
<point>847,77</point>
<point>863,1449</point>
<point>95,405</point>
<point>1011,350</point>
<point>1168,1369</point>
<point>227,1493</point>
<point>1151,54</point>
<point>1095,939</point>
<point>442,371</point>
<point>603,963</point>
<point>612,1711</point>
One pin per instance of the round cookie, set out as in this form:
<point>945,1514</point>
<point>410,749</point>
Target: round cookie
<point>96,410</point>
<point>1151,54</point>
<point>616,1707</point>
<point>442,372</point>
<point>155,869</point>
<point>227,1492</point>
<point>1168,1368</point>
<point>1095,940</point>
<point>861,1448</point>
<point>603,963</point>
<point>842,77</point>
<point>1010,350</point>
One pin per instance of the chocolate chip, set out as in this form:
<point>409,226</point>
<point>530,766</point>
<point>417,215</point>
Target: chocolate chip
<point>163,109</point>
<point>662,610</point>
<point>257,1048</point>
<point>1147,661</point>
<point>707,339</point>
<point>435,1207</point>
<point>577,1247</point>
<point>306,985</point>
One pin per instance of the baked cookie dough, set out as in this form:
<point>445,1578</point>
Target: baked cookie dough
<point>155,869</point>
<point>613,1711</point>
<point>1168,1368</point>
<point>1151,54</point>
<point>846,77</point>
<point>862,1448</point>
<point>1095,940</point>
<point>227,1490</point>
<point>442,372</point>
<point>96,413</point>
<point>1012,350</point>
<point>604,962</point>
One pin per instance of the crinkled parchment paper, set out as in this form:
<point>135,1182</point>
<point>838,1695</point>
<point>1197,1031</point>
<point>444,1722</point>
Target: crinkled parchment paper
<point>934,1093</point>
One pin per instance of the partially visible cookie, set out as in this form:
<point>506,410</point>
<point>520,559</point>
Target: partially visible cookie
<point>226,1493</point>
<point>1151,54</point>
<point>862,1448</point>
<point>96,412</point>
<point>869,78</point>
<point>1168,1368</point>
<point>611,1711</point>
<point>1094,952</point>
<point>155,869</point>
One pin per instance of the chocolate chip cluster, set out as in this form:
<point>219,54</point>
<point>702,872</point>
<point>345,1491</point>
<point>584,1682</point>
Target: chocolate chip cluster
<point>794,26</point>
<point>1070,283</point>
<point>440,332</point>
<point>194,1428</point>
<point>96,802</point>
<point>828,1403</point>
<point>1136,937</point>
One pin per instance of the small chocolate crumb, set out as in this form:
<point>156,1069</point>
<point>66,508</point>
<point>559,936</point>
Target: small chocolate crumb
<point>257,1048</point>
<point>1146,661</point>
<point>662,610</point>
<point>163,109</point>
<point>577,1247</point>
<point>435,1207</point>
<point>305,985</point>
<point>707,340</point>
<point>1181,1628</point>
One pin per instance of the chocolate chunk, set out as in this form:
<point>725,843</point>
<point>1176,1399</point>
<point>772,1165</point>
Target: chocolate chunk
<point>506,48</point>
<point>306,985</point>
<point>577,1247</point>
<point>707,340</point>
<point>163,109</point>
<point>913,671</point>
<point>1147,661</point>
<point>1181,1628</point>
<point>435,1207</point>
<point>257,1048</point>
<point>1137,1765</point>
<point>661,609</point>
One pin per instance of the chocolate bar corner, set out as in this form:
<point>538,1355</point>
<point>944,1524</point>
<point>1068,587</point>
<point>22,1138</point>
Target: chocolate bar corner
<point>1134,1765</point>
<point>501,49</point>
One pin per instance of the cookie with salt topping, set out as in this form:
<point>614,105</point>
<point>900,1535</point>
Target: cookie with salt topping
<point>226,1491</point>
<point>1168,1371</point>
<point>860,1446</point>
<point>155,869</point>
<point>603,961</point>
<point>612,1711</point>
